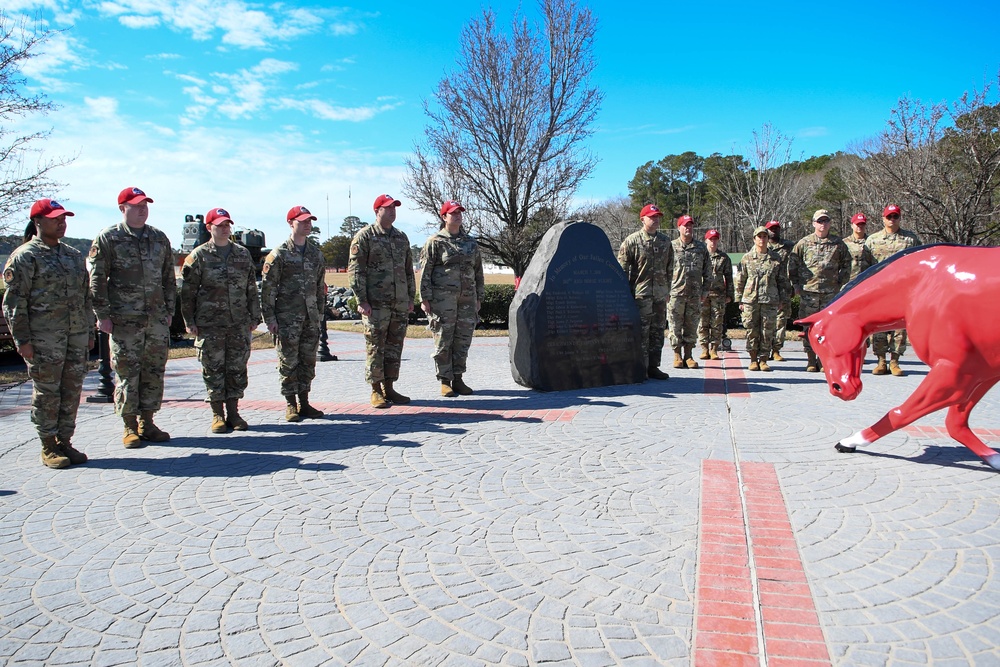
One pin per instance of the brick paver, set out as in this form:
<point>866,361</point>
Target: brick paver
<point>510,527</point>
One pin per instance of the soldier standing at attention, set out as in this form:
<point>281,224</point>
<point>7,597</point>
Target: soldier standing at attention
<point>221,308</point>
<point>48,309</point>
<point>784,249</point>
<point>761,286</point>
<point>292,299</point>
<point>819,266</point>
<point>861,256</point>
<point>689,289</point>
<point>381,274</point>
<point>720,293</point>
<point>884,244</point>
<point>134,293</point>
<point>451,290</point>
<point>647,257</point>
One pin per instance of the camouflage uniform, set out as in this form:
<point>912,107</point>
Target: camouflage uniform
<point>884,245</point>
<point>720,292</point>
<point>761,286</point>
<point>451,279</point>
<point>648,262</point>
<point>784,249</point>
<point>692,276</point>
<point>861,256</point>
<point>818,268</point>
<point>292,295</point>
<point>381,274</point>
<point>219,297</point>
<point>132,283</point>
<point>48,304</point>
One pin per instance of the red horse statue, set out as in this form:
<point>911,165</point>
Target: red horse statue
<point>947,297</point>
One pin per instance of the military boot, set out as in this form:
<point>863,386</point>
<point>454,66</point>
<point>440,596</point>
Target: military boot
<point>378,398</point>
<point>776,356</point>
<point>234,420</point>
<point>306,410</point>
<point>460,387</point>
<point>150,431</point>
<point>713,351</point>
<point>655,373</point>
<point>704,352</point>
<point>812,366</point>
<point>393,395</point>
<point>691,363</point>
<point>219,424</point>
<point>130,438</point>
<point>66,448</point>
<point>880,367</point>
<point>291,410</point>
<point>754,366</point>
<point>52,457</point>
<point>894,366</point>
<point>762,365</point>
<point>678,359</point>
<point>446,389</point>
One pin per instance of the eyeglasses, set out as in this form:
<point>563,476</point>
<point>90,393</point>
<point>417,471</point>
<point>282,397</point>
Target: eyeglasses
<point>823,221</point>
<point>893,216</point>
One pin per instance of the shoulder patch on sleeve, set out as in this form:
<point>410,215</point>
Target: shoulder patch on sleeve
<point>189,260</point>
<point>8,275</point>
<point>93,250</point>
<point>355,249</point>
<point>267,267</point>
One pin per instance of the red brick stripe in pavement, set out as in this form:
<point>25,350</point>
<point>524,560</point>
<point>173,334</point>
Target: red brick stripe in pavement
<point>726,631</point>
<point>726,376</point>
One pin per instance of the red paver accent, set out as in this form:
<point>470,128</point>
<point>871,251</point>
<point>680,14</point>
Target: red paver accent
<point>726,631</point>
<point>941,432</point>
<point>725,376</point>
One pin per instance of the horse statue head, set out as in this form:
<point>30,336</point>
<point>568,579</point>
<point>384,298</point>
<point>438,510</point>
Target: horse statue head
<point>839,341</point>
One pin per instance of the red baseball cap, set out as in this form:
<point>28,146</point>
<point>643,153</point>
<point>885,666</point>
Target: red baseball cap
<point>859,219</point>
<point>299,213</point>
<point>132,196</point>
<point>650,211</point>
<point>890,209</point>
<point>772,224</point>
<point>712,234</point>
<point>48,208</point>
<point>449,207</point>
<point>386,200</point>
<point>217,215</point>
<point>685,220</point>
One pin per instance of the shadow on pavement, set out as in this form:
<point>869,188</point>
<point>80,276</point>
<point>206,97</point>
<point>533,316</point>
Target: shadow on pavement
<point>948,457</point>
<point>212,465</point>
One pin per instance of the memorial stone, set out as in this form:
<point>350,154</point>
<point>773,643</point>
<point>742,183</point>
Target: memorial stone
<point>573,321</point>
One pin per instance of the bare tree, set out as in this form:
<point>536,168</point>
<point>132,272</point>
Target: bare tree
<point>942,164</point>
<point>24,172</point>
<point>507,127</point>
<point>615,216</point>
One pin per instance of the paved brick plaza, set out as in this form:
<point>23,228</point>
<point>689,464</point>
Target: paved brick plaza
<point>702,520</point>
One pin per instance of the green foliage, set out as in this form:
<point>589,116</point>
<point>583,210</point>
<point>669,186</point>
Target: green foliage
<point>495,308</point>
<point>336,251</point>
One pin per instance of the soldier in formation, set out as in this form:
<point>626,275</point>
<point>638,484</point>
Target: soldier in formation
<point>451,291</point>
<point>221,308</point>
<point>134,293</point>
<point>689,289</point>
<point>47,304</point>
<point>861,256</point>
<point>819,266</point>
<point>883,244</point>
<point>647,256</point>
<point>761,286</point>
<point>720,293</point>
<point>784,249</point>
<point>380,271</point>
<point>292,299</point>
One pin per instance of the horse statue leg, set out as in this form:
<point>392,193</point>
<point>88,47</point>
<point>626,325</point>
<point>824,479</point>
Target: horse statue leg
<point>945,385</point>
<point>958,426</point>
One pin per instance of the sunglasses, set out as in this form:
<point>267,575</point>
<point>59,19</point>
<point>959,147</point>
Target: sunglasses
<point>893,216</point>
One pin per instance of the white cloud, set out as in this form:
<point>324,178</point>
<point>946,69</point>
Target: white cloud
<point>133,21</point>
<point>810,132</point>
<point>58,53</point>
<point>325,111</point>
<point>101,107</point>
<point>163,56</point>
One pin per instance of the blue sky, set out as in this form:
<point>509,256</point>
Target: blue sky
<point>257,107</point>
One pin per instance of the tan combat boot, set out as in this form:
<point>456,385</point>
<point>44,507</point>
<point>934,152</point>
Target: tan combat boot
<point>754,366</point>
<point>291,410</point>
<point>378,398</point>
<point>130,438</point>
<point>713,351</point>
<point>678,359</point>
<point>704,352</point>
<point>66,448</point>
<point>894,366</point>
<point>776,356</point>
<point>460,387</point>
<point>52,457</point>
<point>691,363</point>
<point>233,418</point>
<point>219,424</point>
<point>812,366</point>
<point>393,395</point>
<point>306,410</point>
<point>762,365</point>
<point>446,389</point>
<point>150,431</point>
<point>880,367</point>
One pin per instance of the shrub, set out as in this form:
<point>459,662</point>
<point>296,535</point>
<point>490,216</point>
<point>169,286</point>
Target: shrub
<point>495,308</point>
